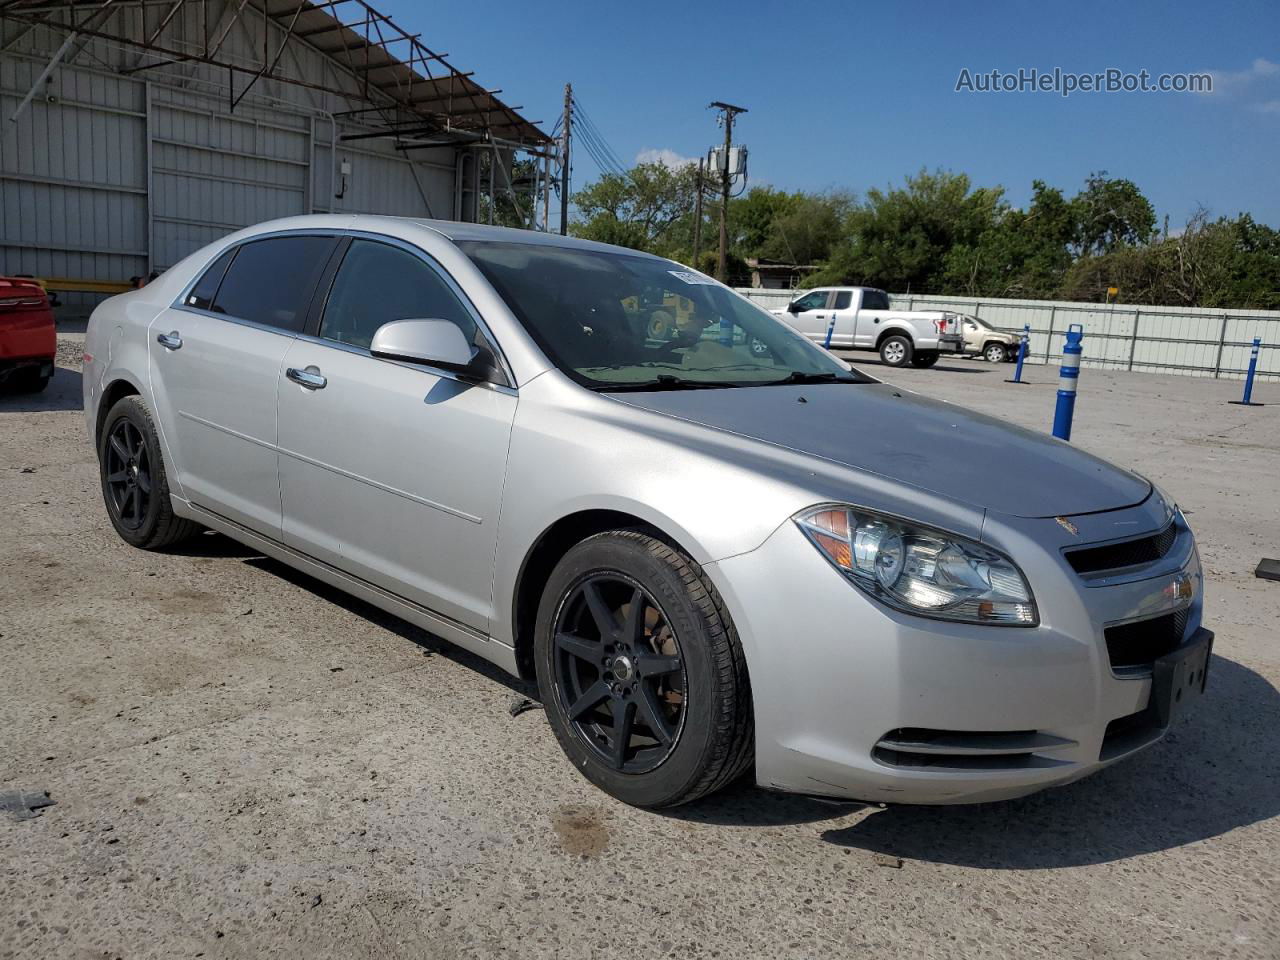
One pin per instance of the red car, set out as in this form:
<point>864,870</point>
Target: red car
<point>27,338</point>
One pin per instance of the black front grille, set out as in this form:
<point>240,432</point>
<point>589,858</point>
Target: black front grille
<point>1126,734</point>
<point>1130,553</point>
<point>1137,645</point>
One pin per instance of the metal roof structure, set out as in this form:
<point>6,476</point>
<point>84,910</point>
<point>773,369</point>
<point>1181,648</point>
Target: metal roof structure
<point>407,90</point>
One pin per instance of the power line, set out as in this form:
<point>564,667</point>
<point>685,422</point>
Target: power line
<point>606,150</point>
<point>595,143</point>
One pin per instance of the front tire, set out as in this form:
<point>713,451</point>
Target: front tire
<point>995,353</point>
<point>641,672</point>
<point>896,351</point>
<point>135,487</point>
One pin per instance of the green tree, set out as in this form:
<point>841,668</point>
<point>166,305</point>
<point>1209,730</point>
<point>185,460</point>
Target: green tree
<point>807,228</point>
<point>1111,214</point>
<point>1023,253</point>
<point>641,209</point>
<point>899,238</point>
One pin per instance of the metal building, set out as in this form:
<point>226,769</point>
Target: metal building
<point>132,133</point>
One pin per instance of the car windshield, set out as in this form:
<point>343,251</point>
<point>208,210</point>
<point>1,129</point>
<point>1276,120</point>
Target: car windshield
<point>613,321</point>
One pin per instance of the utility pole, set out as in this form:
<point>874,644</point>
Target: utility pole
<point>727,112</point>
<point>546,191</point>
<point>697,214</point>
<point>564,160</point>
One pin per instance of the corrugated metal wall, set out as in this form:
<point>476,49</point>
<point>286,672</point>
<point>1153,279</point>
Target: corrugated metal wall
<point>106,176</point>
<point>1198,342</point>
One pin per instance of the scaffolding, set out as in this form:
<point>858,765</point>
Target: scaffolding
<point>395,87</point>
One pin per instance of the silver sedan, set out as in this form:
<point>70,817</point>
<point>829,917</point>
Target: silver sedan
<point>715,547</point>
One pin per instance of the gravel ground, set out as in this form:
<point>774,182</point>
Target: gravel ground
<point>245,763</point>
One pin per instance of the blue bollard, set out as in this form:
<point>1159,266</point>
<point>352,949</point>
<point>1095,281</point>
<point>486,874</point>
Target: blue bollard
<point>1248,379</point>
<point>1022,353</point>
<point>831,328</point>
<point>1068,375</point>
<point>726,331</point>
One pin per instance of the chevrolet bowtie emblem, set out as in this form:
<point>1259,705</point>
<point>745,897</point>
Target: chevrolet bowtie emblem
<point>1068,526</point>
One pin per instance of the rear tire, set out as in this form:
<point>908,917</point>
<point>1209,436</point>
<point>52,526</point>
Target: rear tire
<point>135,486</point>
<point>924,359</point>
<point>896,351</point>
<point>30,380</point>
<point>653,707</point>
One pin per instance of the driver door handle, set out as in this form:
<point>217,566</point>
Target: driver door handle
<point>309,378</point>
<point>170,340</point>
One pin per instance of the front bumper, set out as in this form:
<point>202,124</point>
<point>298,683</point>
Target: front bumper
<point>856,701</point>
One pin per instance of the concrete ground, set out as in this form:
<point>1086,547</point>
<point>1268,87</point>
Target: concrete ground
<point>246,763</point>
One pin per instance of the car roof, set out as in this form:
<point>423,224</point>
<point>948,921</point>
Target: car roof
<point>461,232</point>
<point>454,231</point>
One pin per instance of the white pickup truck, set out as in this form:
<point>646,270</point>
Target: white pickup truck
<point>865,321</point>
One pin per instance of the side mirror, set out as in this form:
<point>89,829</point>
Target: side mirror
<point>435,343</point>
<point>793,307</point>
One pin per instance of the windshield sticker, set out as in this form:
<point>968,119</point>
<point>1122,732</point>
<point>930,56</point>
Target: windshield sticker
<point>688,276</point>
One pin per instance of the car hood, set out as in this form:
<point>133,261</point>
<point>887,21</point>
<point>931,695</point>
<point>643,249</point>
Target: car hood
<point>929,444</point>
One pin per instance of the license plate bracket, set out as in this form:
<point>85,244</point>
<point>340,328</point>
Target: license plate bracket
<point>1178,679</point>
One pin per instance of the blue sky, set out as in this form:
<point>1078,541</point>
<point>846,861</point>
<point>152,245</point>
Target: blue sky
<point>857,95</point>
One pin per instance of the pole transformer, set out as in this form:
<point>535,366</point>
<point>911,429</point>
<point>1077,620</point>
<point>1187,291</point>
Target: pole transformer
<point>727,112</point>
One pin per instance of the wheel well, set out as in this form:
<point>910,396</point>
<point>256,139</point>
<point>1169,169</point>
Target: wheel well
<point>894,332</point>
<point>993,343</point>
<point>554,543</point>
<point>116,391</point>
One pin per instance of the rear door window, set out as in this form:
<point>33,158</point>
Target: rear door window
<point>875,300</point>
<point>271,281</point>
<point>843,299</point>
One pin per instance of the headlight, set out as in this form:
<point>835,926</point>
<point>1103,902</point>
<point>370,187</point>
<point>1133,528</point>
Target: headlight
<point>918,569</point>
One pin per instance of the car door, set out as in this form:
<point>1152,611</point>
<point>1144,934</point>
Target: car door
<point>808,314</point>
<point>845,311</point>
<point>870,311</point>
<point>393,471</point>
<point>214,358</point>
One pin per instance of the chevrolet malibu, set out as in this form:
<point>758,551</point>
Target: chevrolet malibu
<point>715,551</point>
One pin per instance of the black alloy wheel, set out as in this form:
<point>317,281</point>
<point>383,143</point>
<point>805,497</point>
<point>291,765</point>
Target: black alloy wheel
<point>641,671</point>
<point>128,473</point>
<point>619,672</point>
<point>135,485</point>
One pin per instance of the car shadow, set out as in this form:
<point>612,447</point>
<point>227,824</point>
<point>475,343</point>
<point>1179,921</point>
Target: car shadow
<point>210,543</point>
<point>1217,770</point>
<point>861,360</point>
<point>429,642</point>
<point>744,804</point>
<point>64,392</point>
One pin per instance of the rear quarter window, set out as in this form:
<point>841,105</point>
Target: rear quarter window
<point>271,281</point>
<point>201,295</point>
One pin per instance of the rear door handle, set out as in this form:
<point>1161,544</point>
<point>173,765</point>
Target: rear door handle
<point>170,340</point>
<point>309,378</point>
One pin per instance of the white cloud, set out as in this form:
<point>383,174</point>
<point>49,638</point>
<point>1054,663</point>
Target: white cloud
<point>1232,81</point>
<point>664,156</point>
